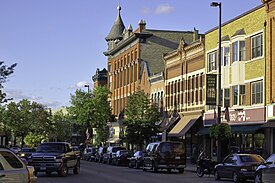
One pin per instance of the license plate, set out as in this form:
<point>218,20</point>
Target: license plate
<point>177,157</point>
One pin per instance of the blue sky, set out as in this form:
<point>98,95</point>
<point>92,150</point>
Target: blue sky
<point>59,44</point>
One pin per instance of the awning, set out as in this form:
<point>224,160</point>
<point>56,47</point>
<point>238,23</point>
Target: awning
<point>269,124</point>
<point>204,131</point>
<point>113,140</point>
<point>183,126</point>
<point>245,128</point>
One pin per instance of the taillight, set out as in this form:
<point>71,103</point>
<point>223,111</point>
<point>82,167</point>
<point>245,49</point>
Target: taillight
<point>29,175</point>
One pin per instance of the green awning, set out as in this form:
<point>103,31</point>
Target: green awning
<point>245,128</point>
<point>204,131</point>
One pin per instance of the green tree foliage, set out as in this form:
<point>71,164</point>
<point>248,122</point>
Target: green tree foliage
<point>220,131</point>
<point>5,71</point>
<point>141,119</point>
<point>33,139</point>
<point>102,113</point>
<point>92,110</point>
<point>62,126</point>
<point>26,116</point>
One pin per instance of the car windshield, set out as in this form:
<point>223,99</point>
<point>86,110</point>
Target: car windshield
<point>251,158</point>
<point>271,158</point>
<point>176,147</point>
<point>51,148</point>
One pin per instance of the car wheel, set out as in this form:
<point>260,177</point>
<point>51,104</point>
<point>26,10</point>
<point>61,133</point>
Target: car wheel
<point>199,171</point>
<point>77,168</point>
<point>258,177</point>
<point>63,172</point>
<point>136,165</point>
<point>235,177</point>
<point>217,176</point>
<point>154,168</point>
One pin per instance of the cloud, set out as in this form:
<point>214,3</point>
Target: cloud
<point>164,9</point>
<point>81,84</point>
<point>160,9</point>
<point>18,95</point>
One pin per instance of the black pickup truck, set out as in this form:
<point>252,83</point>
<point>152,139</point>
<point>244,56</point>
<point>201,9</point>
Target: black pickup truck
<point>55,156</point>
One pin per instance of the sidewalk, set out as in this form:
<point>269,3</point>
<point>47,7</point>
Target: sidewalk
<point>190,167</point>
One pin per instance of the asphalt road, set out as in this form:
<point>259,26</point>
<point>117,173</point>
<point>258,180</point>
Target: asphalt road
<point>102,173</point>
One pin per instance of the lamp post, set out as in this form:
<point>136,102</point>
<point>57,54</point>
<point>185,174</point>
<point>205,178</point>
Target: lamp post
<point>88,86</point>
<point>219,149</point>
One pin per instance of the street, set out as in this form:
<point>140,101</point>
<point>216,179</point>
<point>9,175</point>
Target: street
<point>102,173</point>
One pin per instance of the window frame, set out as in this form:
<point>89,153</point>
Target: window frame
<point>254,96</point>
<point>261,46</point>
<point>212,64</point>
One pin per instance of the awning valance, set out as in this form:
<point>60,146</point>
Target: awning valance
<point>183,125</point>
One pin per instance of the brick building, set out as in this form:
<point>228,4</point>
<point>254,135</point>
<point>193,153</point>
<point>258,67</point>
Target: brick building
<point>184,89</point>
<point>135,56</point>
<point>100,78</point>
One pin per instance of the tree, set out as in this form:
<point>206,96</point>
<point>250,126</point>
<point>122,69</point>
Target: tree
<point>62,126</point>
<point>5,71</point>
<point>141,119</point>
<point>102,113</point>
<point>26,116</point>
<point>33,140</point>
<point>92,110</point>
<point>81,109</point>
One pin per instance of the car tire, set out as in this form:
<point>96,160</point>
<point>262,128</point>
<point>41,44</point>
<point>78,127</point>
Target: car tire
<point>136,165</point>
<point>154,168</point>
<point>63,172</point>
<point>76,169</point>
<point>235,177</point>
<point>258,177</point>
<point>216,175</point>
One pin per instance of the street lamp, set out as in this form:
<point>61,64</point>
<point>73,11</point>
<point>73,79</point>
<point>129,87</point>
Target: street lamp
<point>88,86</point>
<point>219,149</point>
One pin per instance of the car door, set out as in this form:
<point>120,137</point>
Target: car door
<point>12,169</point>
<point>223,169</point>
<point>71,157</point>
<point>230,165</point>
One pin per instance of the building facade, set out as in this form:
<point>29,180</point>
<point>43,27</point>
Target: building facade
<point>243,78</point>
<point>184,91</point>
<point>100,78</point>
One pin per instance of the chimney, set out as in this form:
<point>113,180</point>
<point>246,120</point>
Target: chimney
<point>141,25</point>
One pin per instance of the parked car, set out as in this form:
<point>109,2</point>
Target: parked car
<point>238,167</point>
<point>136,160</point>
<point>89,153</point>
<point>31,170</point>
<point>121,157</point>
<point>265,172</point>
<point>165,155</point>
<point>15,149</point>
<point>111,151</point>
<point>55,156</point>
<point>12,168</point>
<point>26,152</point>
<point>99,154</point>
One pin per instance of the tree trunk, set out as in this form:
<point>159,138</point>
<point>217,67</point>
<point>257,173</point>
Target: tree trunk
<point>22,140</point>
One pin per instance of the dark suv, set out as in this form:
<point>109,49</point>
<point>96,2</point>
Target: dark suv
<point>165,155</point>
<point>99,154</point>
<point>111,151</point>
<point>55,156</point>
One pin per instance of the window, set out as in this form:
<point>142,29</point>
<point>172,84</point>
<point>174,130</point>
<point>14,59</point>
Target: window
<point>235,94</point>
<point>238,51</point>
<point>242,51</point>
<point>235,51</point>
<point>211,61</point>
<point>257,92</point>
<point>226,97</point>
<point>257,46</point>
<point>225,55</point>
<point>242,95</point>
<point>11,159</point>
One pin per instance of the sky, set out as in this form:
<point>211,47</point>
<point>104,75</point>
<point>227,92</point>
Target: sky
<point>59,44</point>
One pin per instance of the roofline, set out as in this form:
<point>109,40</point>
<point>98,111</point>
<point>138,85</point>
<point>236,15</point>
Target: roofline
<point>157,30</point>
<point>237,17</point>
